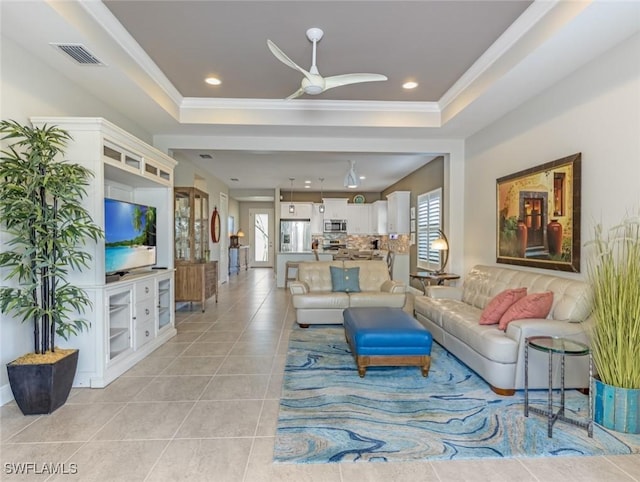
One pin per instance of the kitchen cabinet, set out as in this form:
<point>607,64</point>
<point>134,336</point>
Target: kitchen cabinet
<point>335,208</point>
<point>398,212</point>
<point>379,217</point>
<point>317,220</point>
<point>358,219</point>
<point>301,211</point>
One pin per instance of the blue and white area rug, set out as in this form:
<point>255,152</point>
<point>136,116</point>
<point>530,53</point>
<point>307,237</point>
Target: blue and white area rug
<point>329,414</point>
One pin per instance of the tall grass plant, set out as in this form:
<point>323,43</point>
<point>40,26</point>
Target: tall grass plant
<point>614,274</point>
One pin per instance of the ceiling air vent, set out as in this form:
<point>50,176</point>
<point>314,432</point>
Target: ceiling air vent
<point>206,156</point>
<point>79,53</point>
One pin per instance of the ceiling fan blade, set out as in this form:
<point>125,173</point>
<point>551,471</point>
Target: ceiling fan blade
<point>346,79</point>
<point>297,93</point>
<point>282,57</point>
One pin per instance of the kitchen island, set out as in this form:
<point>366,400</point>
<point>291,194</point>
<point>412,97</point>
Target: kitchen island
<point>283,257</point>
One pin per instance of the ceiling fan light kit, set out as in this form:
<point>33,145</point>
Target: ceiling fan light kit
<point>313,83</point>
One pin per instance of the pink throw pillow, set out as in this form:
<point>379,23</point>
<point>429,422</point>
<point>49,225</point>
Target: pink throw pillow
<point>535,305</point>
<point>500,304</point>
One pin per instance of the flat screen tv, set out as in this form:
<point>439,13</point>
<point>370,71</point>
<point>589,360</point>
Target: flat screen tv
<point>130,236</point>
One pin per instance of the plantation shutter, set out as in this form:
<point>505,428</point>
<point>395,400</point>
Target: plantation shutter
<point>429,221</point>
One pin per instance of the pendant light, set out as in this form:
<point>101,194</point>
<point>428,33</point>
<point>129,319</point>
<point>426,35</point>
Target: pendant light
<point>321,207</point>
<point>351,180</point>
<point>292,207</point>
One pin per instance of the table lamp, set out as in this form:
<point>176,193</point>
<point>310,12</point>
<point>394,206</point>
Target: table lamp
<point>441,244</point>
<point>235,239</point>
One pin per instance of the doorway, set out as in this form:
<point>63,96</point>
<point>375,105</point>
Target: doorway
<point>261,235</point>
<point>223,264</point>
<point>533,211</point>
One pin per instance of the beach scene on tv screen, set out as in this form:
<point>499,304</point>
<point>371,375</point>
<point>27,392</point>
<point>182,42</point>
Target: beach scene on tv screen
<point>129,236</point>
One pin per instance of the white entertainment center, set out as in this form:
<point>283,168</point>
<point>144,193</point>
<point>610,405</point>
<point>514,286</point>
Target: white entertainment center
<point>134,315</point>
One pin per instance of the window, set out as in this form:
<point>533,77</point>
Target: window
<point>429,219</point>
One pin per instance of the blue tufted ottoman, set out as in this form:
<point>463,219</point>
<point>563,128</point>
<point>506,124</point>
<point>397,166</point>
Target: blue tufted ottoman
<point>386,337</point>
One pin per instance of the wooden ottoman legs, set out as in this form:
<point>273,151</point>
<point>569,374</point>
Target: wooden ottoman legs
<point>364,361</point>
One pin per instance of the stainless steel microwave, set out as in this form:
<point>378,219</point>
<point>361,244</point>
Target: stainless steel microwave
<point>335,226</point>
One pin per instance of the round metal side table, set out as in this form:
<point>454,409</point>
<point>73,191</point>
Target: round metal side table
<point>563,347</point>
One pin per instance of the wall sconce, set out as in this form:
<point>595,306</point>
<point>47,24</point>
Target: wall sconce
<point>441,244</point>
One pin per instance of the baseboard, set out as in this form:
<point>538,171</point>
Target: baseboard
<point>6,395</point>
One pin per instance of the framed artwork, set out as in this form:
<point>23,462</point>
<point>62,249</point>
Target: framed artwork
<point>413,225</point>
<point>538,216</point>
<point>413,212</point>
<point>215,226</point>
<point>412,240</point>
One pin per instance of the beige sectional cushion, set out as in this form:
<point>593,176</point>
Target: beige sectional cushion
<point>372,273</point>
<point>433,308</point>
<point>487,340</point>
<point>321,300</point>
<point>317,274</point>
<point>313,290</point>
<point>461,320</point>
<point>376,298</point>
<point>571,298</point>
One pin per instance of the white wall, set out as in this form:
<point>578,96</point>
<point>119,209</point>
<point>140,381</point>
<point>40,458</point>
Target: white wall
<point>31,88</point>
<point>28,88</point>
<point>596,111</point>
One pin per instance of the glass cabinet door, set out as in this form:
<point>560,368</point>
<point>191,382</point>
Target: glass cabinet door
<point>191,225</point>
<point>182,213</point>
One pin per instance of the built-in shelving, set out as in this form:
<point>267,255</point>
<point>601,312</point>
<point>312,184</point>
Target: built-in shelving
<point>119,321</point>
<point>165,303</point>
<point>133,315</point>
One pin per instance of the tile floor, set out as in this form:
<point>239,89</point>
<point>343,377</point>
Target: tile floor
<point>204,407</point>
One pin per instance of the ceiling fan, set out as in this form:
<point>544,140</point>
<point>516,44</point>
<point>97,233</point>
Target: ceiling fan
<point>313,83</point>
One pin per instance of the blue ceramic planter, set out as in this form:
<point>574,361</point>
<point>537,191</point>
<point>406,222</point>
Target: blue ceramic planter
<point>616,408</point>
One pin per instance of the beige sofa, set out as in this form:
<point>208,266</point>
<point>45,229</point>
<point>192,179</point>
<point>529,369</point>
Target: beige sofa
<point>452,314</point>
<point>315,303</point>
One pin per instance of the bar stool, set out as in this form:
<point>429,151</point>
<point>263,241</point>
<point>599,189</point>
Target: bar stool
<point>287,274</point>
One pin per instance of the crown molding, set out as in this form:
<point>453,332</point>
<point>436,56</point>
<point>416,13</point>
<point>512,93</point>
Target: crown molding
<point>306,112</point>
<point>101,14</point>
<point>309,105</point>
<point>516,31</point>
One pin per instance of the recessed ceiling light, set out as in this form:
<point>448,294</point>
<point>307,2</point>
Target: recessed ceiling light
<point>409,85</point>
<point>213,81</point>
<point>363,177</point>
<point>307,182</point>
<point>307,186</point>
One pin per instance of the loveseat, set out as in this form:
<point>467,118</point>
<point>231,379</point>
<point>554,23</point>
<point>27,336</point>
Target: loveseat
<point>452,315</point>
<point>316,302</point>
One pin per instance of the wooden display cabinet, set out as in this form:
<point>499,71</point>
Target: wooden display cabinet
<point>196,276</point>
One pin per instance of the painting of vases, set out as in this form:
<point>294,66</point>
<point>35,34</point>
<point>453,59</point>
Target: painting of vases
<point>538,216</point>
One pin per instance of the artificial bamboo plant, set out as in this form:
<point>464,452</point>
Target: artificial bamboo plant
<point>614,273</point>
<point>41,211</point>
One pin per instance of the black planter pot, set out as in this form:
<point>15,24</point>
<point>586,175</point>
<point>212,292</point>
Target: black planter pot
<point>43,388</point>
